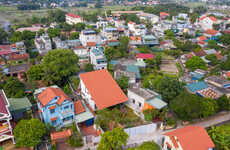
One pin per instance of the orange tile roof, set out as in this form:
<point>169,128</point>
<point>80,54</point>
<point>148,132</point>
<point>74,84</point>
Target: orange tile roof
<point>228,74</point>
<point>19,56</point>
<point>79,108</point>
<point>130,22</point>
<point>192,138</point>
<point>174,141</point>
<point>201,42</point>
<point>164,14</point>
<point>50,93</point>
<point>213,18</point>
<point>52,107</point>
<point>103,88</point>
<point>91,44</point>
<point>203,17</point>
<point>53,119</point>
<point>80,46</point>
<point>211,31</point>
<point>61,135</point>
<point>202,38</point>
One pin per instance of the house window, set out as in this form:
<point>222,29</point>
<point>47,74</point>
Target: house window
<point>54,122</point>
<point>52,111</point>
<point>168,148</point>
<point>139,104</point>
<point>133,101</point>
<point>66,107</point>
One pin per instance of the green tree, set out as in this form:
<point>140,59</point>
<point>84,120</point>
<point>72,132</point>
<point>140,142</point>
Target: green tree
<point>123,82</point>
<point>212,44</point>
<point>123,46</point>
<point>147,146</point>
<point>223,103</point>
<point>35,72</point>
<point>54,32</point>
<point>109,53</point>
<point>79,26</point>
<point>3,36</point>
<point>169,34</point>
<point>28,133</point>
<point>220,135</point>
<point>88,67</point>
<point>113,140</point>
<point>14,88</point>
<point>168,87</point>
<point>58,65</point>
<point>212,58</point>
<point>195,63</point>
<point>75,140</point>
<point>189,106</point>
<point>74,35</point>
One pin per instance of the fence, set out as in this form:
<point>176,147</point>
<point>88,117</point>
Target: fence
<point>144,129</point>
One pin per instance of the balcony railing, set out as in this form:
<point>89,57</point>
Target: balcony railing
<point>4,128</point>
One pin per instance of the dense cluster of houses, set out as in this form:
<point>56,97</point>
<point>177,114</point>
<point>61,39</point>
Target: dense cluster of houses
<point>99,90</point>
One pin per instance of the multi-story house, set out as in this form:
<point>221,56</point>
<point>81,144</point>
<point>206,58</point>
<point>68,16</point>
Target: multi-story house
<point>150,40</point>
<point>207,22</point>
<point>97,58</point>
<point>82,53</point>
<point>73,19</point>
<point>89,36</point>
<point>5,117</point>
<point>59,44</point>
<point>43,44</point>
<point>137,29</point>
<point>110,33</point>
<point>100,90</point>
<point>142,99</point>
<point>189,137</point>
<point>151,17</point>
<point>55,107</point>
<point>101,23</point>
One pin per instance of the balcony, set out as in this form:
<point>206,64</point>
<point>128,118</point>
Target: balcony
<point>4,128</point>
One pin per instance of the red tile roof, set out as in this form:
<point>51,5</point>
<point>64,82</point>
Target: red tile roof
<point>192,138</point>
<point>80,47</point>
<point>61,135</point>
<point>91,44</point>
<point>145,56</point>
<point>73,15</point>
<point>50,93</point>
<point>211,32</point>
<point>103,88</point>
<point>78,107</point>
<point>19,56</point>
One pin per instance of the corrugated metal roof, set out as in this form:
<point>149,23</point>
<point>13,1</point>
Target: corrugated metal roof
<point>157,103</point>
<point>194,87</point>
<point>18,104</point>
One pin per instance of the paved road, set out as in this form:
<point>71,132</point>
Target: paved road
<point>214,120</point>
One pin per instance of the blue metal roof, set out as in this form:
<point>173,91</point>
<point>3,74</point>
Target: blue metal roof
<point>194,87</point>
<point>97,52</point>
<point>133,68</point>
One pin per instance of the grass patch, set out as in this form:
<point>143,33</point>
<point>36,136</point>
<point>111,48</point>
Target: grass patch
<point>107,119</point>
<point>180,70</point>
